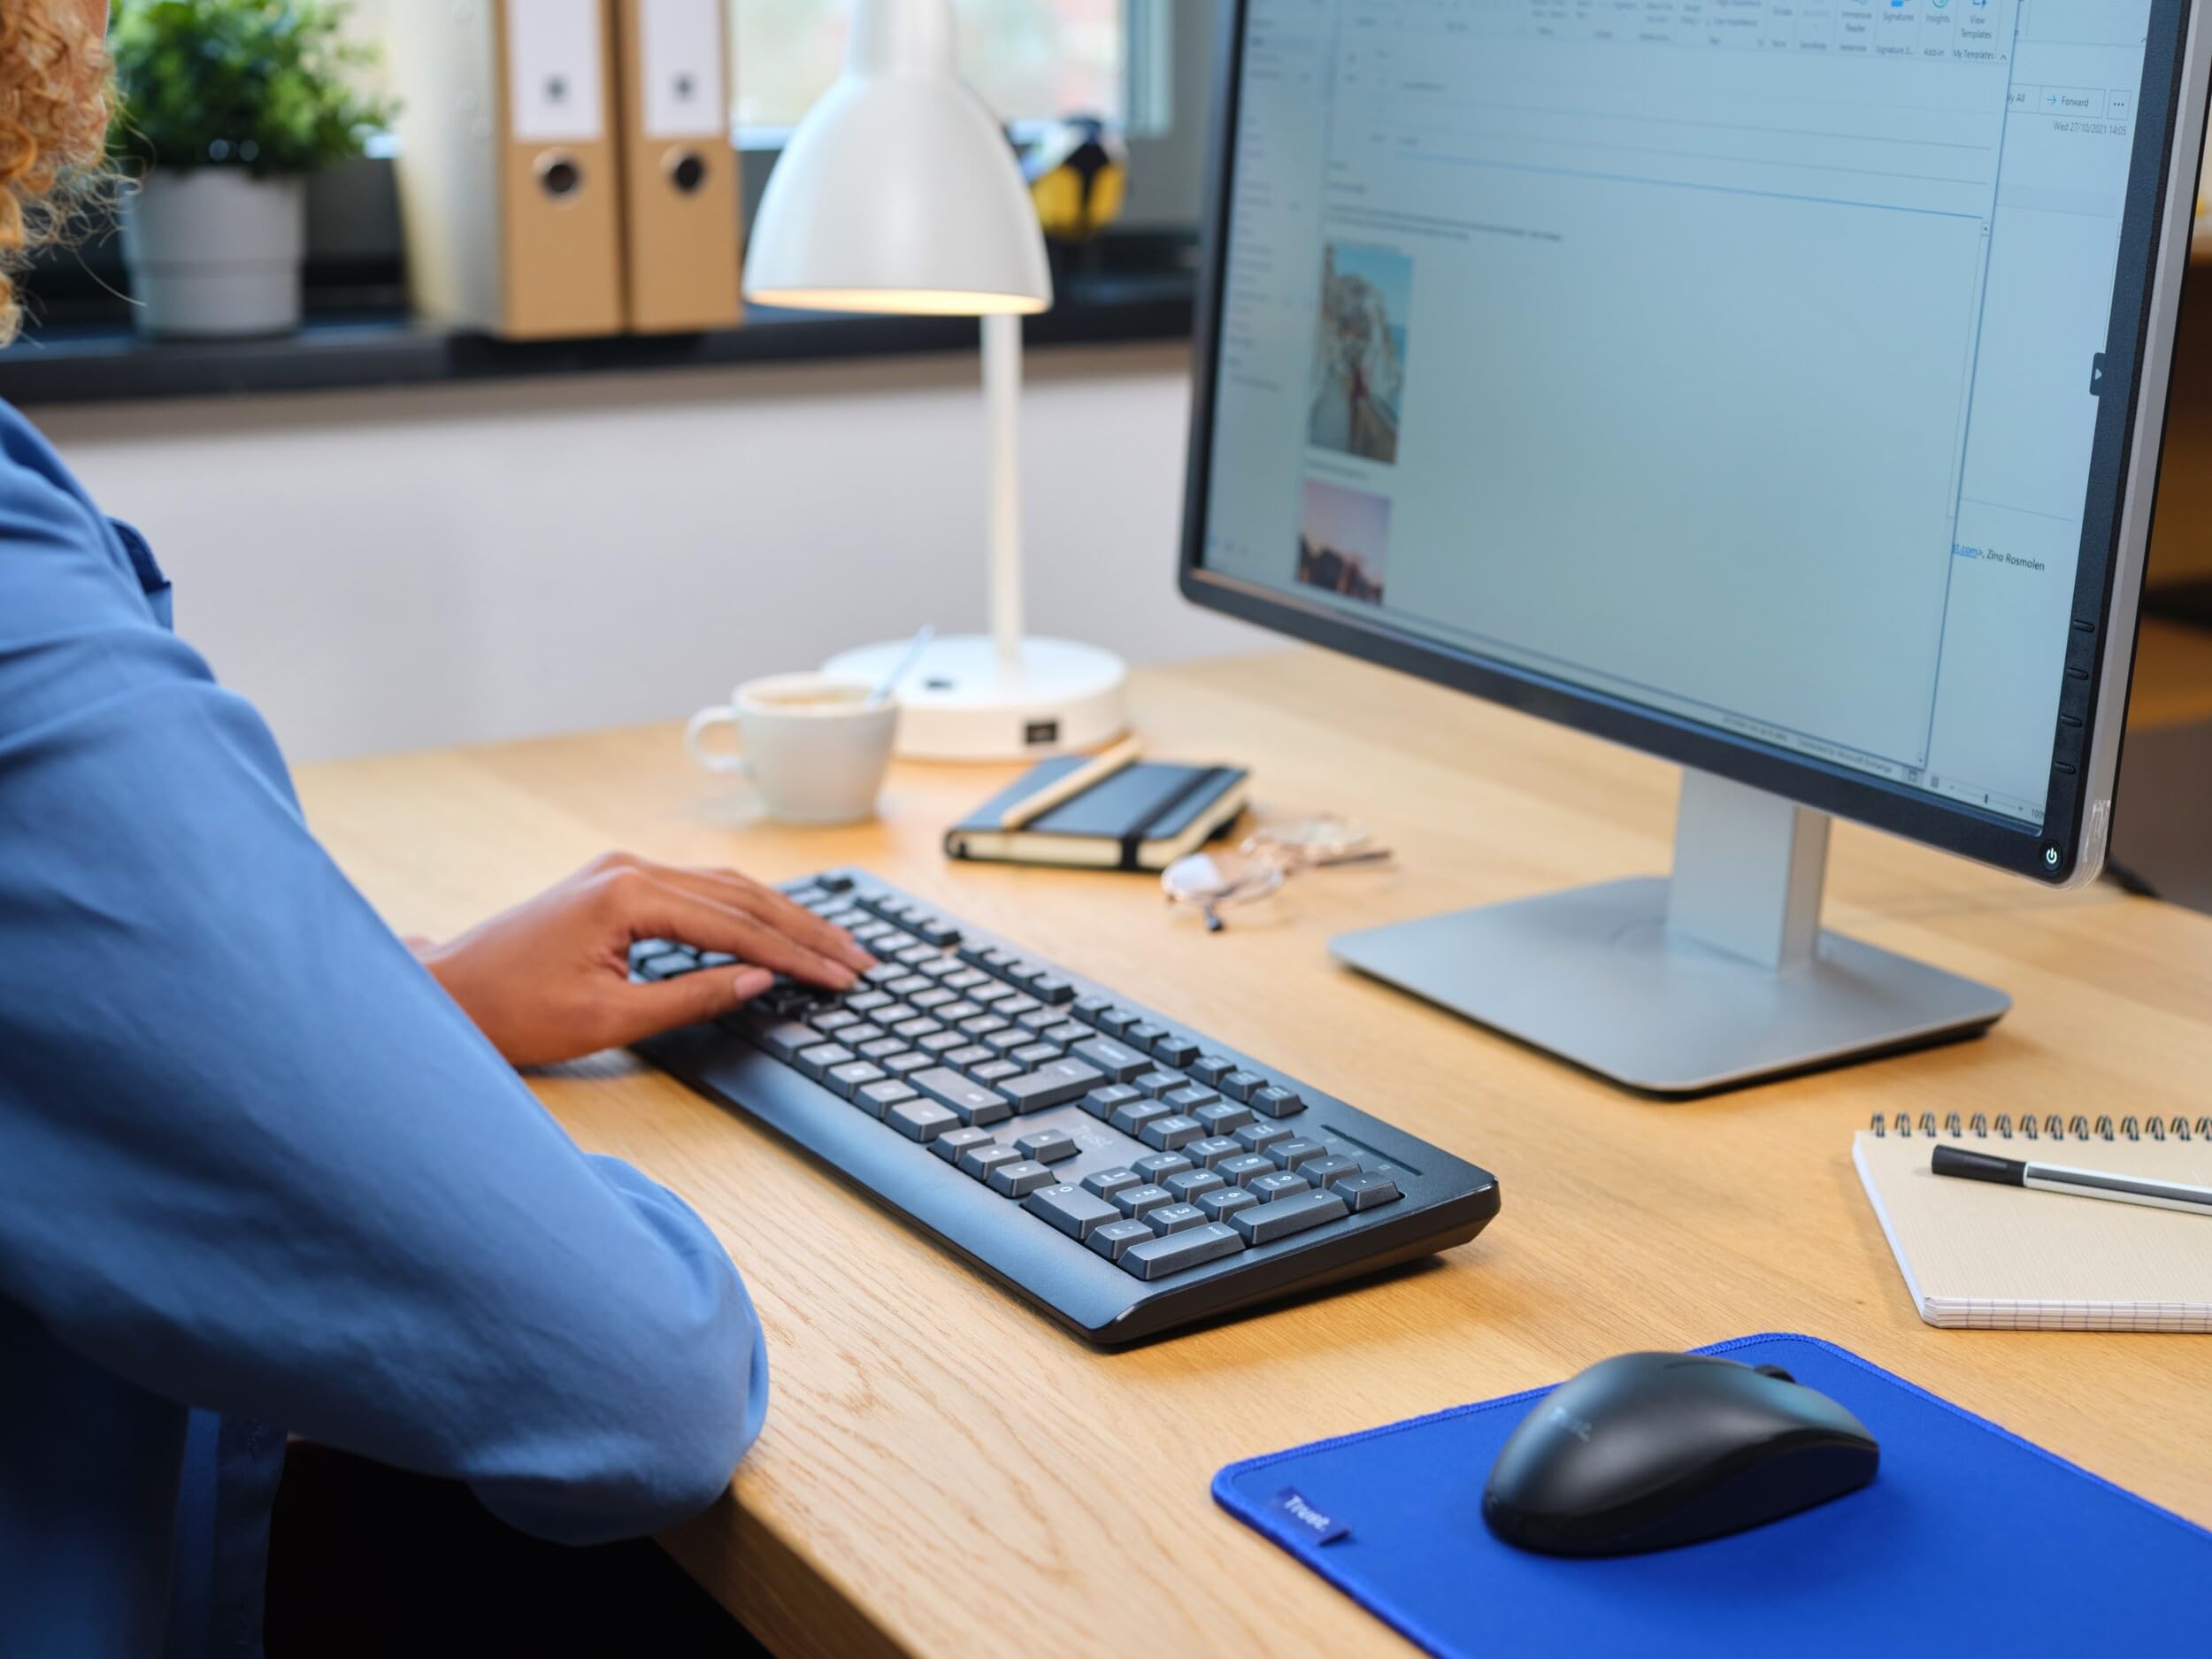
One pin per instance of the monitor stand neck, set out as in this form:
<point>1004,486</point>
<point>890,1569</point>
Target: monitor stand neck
<point>1717,976</point>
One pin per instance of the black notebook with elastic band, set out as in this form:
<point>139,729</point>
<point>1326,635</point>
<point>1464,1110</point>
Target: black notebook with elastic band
<point>1144,817</point>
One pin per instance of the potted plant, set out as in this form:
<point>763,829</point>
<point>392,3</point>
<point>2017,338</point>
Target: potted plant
<point>227,107</point>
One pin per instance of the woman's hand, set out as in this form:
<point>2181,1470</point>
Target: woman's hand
<point>549,979</point>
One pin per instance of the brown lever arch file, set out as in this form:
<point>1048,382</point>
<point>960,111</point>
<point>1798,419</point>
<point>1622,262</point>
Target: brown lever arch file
<point>679,169</point>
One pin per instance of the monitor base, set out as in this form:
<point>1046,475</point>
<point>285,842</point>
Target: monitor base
<point>1718,978</point>
<point>1593,976</point>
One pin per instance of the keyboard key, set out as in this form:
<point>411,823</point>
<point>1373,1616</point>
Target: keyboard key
<point>876,1099</point>
<point>959,1013</point>
<point>937,931</point>
<point>1050,987</point>
<point>1008,1038</point>
<point>994,1071</point>
<point>1209,1068</point>
<point>1282,1184</point>
<point>1136,1201</point>
<point>914,1029</point>
<point>1328,1171</point>
<point>853,1036</point>
<point>716,959</point>
<point>1174,1218</point>
<point>784,1038</point>
<point>1225,1201</point>
<point>882,1047</point>
<point>1074,1211</point>
<point>1191,1184</point>
<point>851,1076</point>
<point>868,1002</point>
<point>991,994</point>
<point>1066,1033</point>
<point>1116,1239</point>
<point>1040,1020</point>
<point>1172,1132</point>
<point>918,955</point>
<point>1259,1137</point>
<point>964,979</point>
<point>974,1103</point>
<point>834,1021</point>
<point>1087,1009</point>
<point>935,997</point>
<point>1047,1146</point>
<point>1015,1006</point>
<point>834,882</point>
<point>980,1026</point>
<point>941,969</point>
<point>1189,1098</point>
<point>1178,1252</point>
<point>1132,1118</point>
<point>953,1143</point>
<point>1264,1224</point>
<point>1288,1154</point>
<point>1037,1053</point>
<point>1278,1103</point>
<point>981,1161</point>
<point>1051,1085</point>
<point>1021,971</point>
<point>1106,1183</point>
<point>911,986</point>
<point>1246,1168</point>
<point>1212,1150</point>
<point>920,1119</point>
<point>1020,1178</point>
<point>1175,1050</point>
<point>1154,1167</point>
<point>969,1054</point>
<point>1114,1022</point>
<point>1118,1060</point>
<point>907,1063</point>
<point>1365,1192</point>
<point>943,1042</point>
<point>894,1014</point>
<point>1104,1102</point>
<point>1223,1118</point>
<point>1156,1083</point>
<point>1241,1085</point>
<point>1144,1033</point>
<point>820,1058</point>
<point>884,972</point>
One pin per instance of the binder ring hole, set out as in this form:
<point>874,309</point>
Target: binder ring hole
<point>688,170</point>
<point>559,176</point>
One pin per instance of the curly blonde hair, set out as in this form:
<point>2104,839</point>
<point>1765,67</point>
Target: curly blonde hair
<point>53,126</point>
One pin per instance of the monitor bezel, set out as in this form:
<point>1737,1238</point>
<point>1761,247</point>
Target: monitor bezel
<point>2068,847</point>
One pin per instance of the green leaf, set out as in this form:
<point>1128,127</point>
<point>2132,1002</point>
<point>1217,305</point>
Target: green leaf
<point>268,85</point>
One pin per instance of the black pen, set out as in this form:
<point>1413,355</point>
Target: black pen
<point>2056,1177</point>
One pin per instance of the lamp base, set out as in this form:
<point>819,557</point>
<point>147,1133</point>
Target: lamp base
<point>958,705</point>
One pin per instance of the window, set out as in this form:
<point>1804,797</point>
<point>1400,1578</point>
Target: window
<point>1029,59</point>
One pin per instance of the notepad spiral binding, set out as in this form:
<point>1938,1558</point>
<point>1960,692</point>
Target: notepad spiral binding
<point>2076,1127</point>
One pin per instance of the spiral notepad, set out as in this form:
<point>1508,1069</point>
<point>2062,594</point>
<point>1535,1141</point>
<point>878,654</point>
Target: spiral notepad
<point>1979,1256</point>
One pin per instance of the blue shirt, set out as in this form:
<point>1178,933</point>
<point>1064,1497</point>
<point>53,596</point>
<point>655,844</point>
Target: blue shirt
<point>259,1175</point>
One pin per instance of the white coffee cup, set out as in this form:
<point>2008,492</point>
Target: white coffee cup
<point>812,744</point>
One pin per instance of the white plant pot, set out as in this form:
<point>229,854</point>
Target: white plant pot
<point>216,253</point>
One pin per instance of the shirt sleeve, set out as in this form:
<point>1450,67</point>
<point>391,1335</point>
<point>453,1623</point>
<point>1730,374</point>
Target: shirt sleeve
<point>253,1158</point>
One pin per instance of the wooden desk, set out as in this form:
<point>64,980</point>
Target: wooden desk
<point>944,1472</point>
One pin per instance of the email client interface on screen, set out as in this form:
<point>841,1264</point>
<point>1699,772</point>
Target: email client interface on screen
<point>1731,357</point>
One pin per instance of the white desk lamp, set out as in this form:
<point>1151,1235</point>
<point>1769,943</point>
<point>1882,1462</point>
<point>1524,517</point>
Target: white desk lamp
<point>899,193</point>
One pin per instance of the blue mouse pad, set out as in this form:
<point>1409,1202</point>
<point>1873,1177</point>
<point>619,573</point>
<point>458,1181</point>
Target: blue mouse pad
<point>1969,1540</point>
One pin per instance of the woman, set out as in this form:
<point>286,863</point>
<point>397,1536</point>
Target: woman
<point>254,1161</point>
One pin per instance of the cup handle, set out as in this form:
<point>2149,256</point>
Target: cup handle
<point>713,760</point>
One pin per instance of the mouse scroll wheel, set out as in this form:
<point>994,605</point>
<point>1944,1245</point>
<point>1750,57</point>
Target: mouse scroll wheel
<point>1774,1371</point>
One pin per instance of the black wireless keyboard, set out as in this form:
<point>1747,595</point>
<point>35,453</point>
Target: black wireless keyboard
<point>1123,1172</point>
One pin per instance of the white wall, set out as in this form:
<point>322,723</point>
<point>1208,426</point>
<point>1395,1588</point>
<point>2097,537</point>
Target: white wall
<point>411,567</point>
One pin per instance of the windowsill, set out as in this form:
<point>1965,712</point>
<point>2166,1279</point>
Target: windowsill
<point>108,362</point>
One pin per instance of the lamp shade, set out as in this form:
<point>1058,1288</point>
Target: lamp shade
<point>898,192</point>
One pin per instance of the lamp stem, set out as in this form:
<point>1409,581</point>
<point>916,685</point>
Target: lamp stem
<point>1002,397</point>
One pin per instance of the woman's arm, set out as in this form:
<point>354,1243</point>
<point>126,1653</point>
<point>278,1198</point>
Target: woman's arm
<point>253,1158</point>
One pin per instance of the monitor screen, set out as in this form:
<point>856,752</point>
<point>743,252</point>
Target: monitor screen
<point>1734,360</point>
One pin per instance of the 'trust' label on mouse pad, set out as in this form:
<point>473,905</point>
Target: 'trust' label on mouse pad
<point>1841,1579</point>
<point>1316,1525</point>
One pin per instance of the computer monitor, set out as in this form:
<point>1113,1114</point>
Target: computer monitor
<point>1776,386</point>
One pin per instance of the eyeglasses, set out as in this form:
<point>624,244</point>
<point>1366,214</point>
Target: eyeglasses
<point>1212,882</point>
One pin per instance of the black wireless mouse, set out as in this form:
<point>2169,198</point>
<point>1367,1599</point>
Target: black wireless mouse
<point>1650,1450</point>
